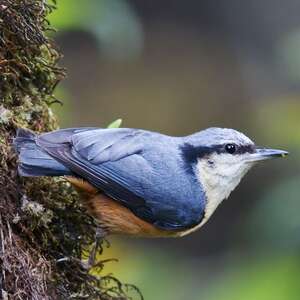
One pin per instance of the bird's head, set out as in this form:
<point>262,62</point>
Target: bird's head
<point>220,158</point>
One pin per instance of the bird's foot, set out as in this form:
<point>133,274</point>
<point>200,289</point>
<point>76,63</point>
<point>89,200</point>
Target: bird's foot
<point>97,247</point>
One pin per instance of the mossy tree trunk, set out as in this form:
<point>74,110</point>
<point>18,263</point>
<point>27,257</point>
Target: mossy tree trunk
<point>43,228</point>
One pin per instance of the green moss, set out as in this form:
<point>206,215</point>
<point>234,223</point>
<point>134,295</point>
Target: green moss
<point>43,227</point>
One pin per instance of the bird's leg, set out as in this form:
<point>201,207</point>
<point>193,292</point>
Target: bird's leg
<point>99,237</point>
<point>88,193</point>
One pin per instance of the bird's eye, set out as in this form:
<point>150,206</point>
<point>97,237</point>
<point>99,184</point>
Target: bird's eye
<point>230,148</point>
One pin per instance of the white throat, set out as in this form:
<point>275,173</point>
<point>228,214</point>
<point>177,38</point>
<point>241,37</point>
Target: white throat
<point>218,181</point>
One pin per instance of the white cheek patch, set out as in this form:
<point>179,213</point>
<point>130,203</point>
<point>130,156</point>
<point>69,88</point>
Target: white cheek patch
<point>218,180</point>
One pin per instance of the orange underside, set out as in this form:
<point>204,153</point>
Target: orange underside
<point>113,217</point>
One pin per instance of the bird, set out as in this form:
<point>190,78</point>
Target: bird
<point>143,183</point>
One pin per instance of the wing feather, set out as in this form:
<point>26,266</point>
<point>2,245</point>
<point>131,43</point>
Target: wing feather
<point>102,145</point>
<point>107,181</point>
<point>113,160</point>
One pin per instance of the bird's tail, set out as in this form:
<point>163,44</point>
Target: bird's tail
<point>33,161</point>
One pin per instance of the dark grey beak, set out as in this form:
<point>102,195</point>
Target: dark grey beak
<point>264,154</point>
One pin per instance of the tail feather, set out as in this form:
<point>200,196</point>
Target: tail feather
<point>33,161</point>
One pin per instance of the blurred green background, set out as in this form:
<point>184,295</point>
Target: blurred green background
<point>178,67</point>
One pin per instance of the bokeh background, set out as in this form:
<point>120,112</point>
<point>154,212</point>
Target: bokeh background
<point>177,67</point>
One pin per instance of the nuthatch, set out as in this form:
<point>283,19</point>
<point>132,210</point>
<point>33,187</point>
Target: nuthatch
<point>140,182</point>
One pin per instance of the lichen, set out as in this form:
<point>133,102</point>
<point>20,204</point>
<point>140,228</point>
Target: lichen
<point>44,230</point>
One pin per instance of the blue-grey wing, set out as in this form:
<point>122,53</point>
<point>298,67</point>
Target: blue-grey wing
<point>102,145</point>
<point>115,161</point>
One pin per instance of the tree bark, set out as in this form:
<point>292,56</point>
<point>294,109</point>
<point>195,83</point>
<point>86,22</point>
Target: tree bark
<point>44,230</point>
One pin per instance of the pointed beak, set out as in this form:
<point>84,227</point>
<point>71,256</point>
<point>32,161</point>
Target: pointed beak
<point>264,154</point>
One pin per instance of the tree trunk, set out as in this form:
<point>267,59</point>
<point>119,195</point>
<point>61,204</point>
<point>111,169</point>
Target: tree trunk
<point>43,228</point>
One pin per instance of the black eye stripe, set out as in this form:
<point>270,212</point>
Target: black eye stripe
<point>191,153</point>
<point>239,149</point>
<point>245,149</point>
